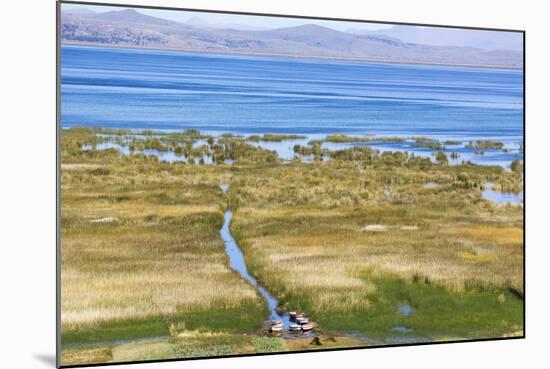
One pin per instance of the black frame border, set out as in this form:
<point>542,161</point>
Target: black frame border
<point>58,181</point>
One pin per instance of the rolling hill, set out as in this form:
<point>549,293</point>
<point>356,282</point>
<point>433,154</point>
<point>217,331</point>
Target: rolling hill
<point>132,28</point>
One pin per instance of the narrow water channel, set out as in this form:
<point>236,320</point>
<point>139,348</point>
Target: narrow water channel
<point>237,263</point>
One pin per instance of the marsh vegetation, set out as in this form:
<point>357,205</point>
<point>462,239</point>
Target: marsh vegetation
<point>145,274</point>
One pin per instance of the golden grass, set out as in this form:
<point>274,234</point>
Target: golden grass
<point>93,355</point>
<point>470,256</point>
<point>194,334</point>
<point>143,351</point>
<point>503,235</point>
<point>79,166</point>
<point>324,256</point>
<point>148,260</point>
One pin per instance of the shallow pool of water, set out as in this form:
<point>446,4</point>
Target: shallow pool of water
<point>405,309</point>
<point>501,197</point>
<point>285,150</point>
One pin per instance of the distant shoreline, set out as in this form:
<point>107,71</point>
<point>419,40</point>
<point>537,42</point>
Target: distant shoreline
<point>336,58</point>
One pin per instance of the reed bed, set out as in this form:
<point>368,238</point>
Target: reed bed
<point>327,264</point>
<point>143,256</point>
<point>347,240</point>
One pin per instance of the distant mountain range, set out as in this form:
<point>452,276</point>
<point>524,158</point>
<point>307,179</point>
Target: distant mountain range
<point>440,36</point>
<point>132,28</point>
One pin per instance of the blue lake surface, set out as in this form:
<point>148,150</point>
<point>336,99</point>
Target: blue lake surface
<point>144,89</point>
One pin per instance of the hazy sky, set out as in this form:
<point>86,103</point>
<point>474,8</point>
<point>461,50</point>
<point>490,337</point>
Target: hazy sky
<point>252,22</point>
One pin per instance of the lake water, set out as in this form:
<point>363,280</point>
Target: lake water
<point>132,88</point>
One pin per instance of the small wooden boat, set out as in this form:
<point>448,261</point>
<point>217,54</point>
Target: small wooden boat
<point>292,314</point>
<point>294,327</point>
<point>276,323</point>
<point>276,328</point>
<point>302,320</point>
<point>307,327</point>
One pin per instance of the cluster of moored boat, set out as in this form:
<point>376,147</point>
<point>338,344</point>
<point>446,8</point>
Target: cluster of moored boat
<point>298,323</point>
